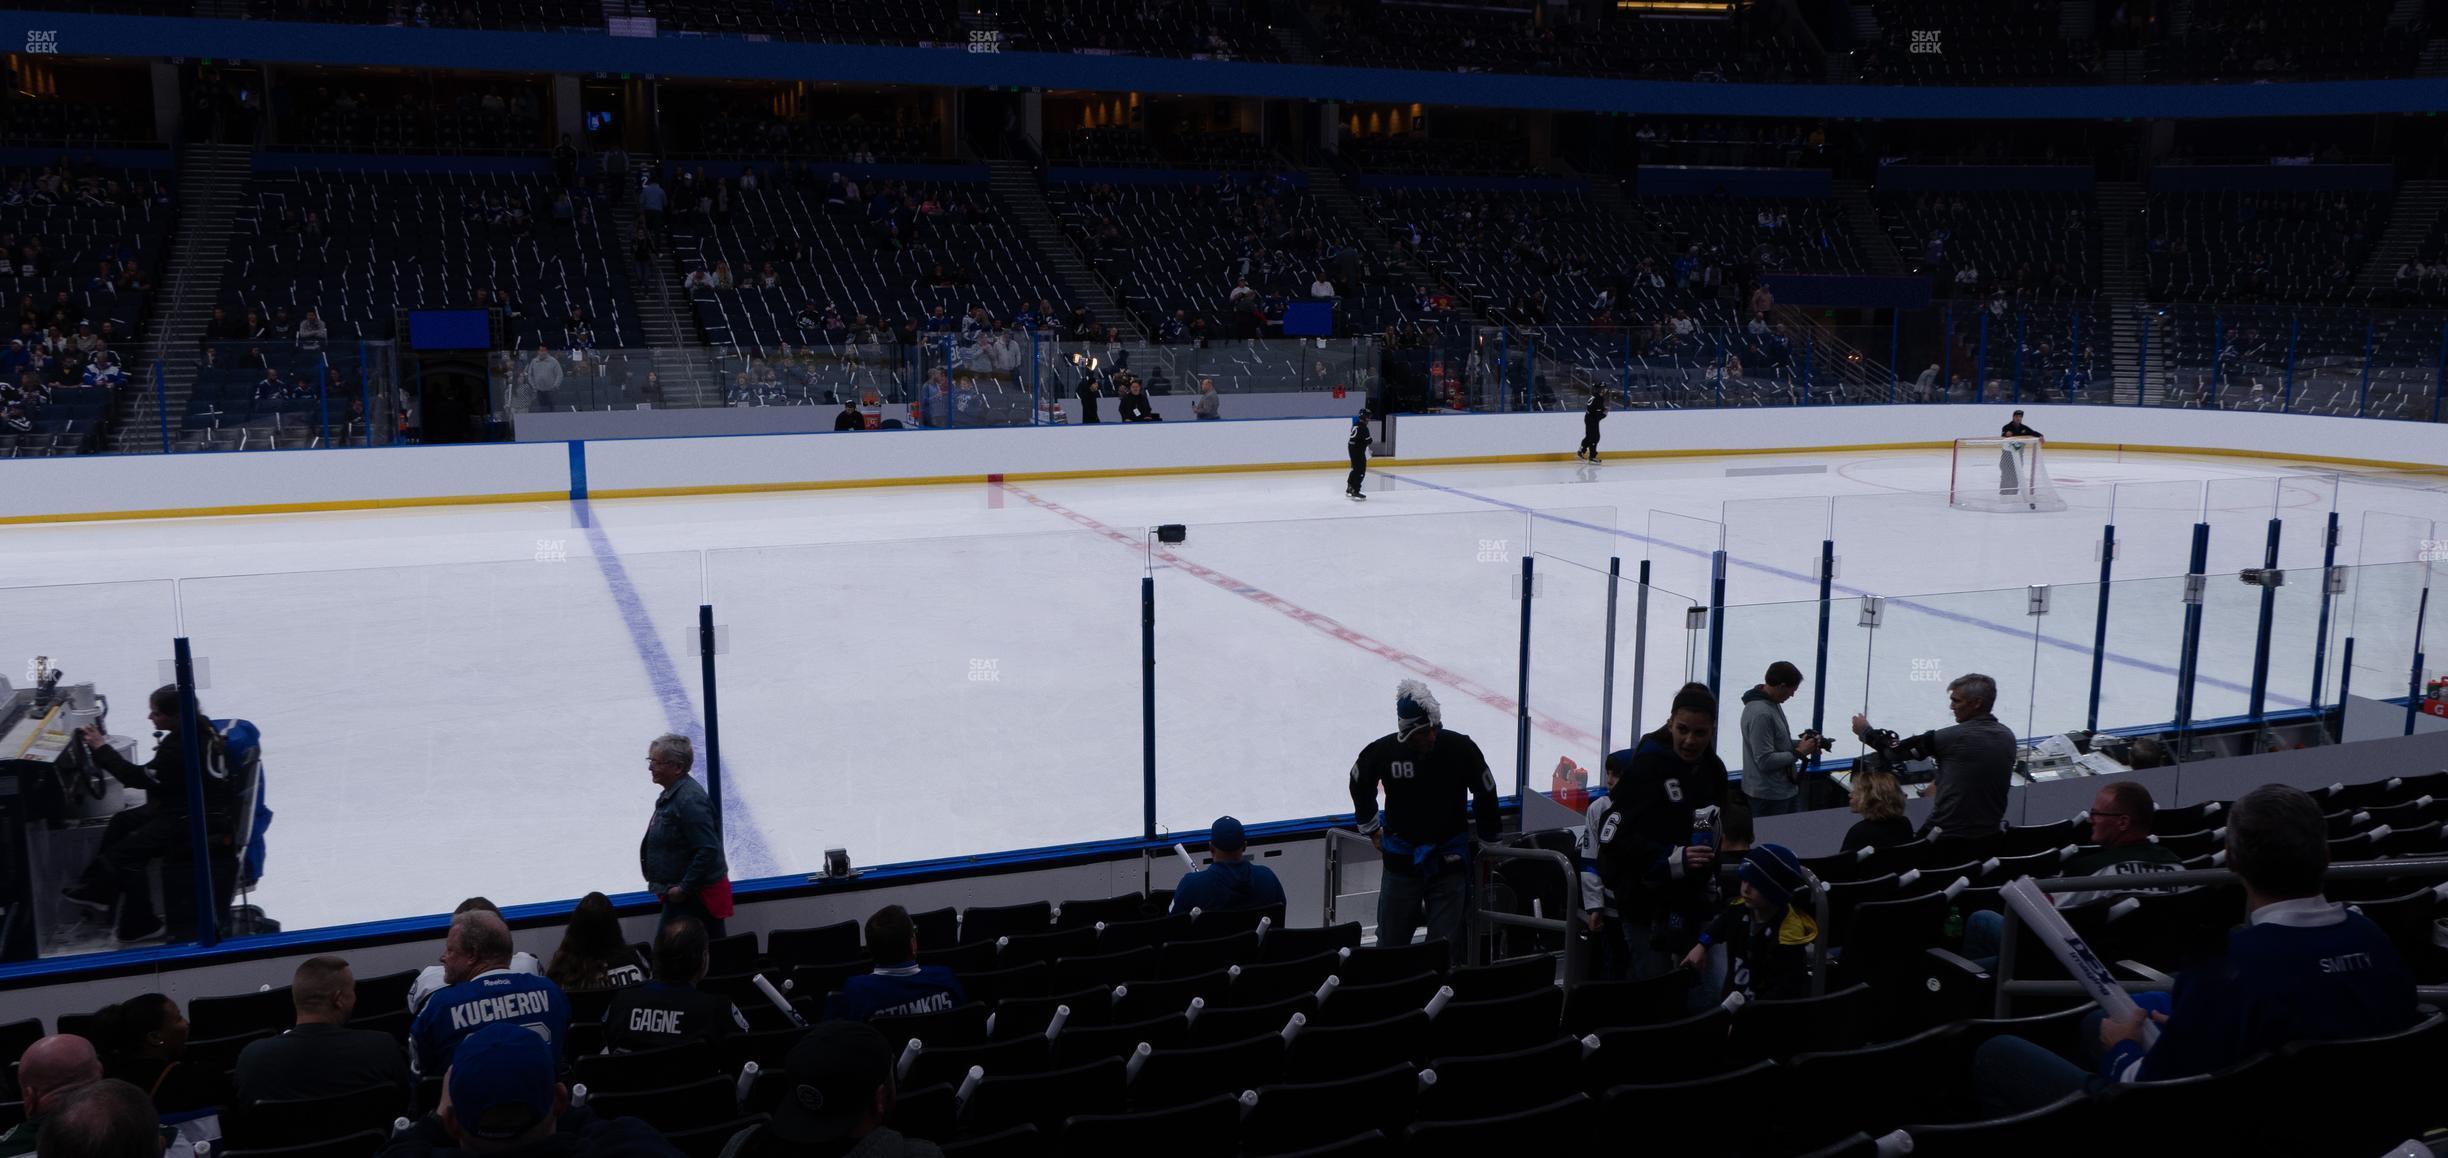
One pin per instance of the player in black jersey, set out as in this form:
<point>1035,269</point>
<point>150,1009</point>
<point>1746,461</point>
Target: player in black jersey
<point>1590,418</point>
<point>1359,456</point>
<point>1426,830</point>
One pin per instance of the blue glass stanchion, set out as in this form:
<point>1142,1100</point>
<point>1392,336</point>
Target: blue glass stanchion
<point>1147,706</point>
<point>2099,633</point>
<point>713,714</point>
<point>1521,706</point>
<point>2188,664</point>
<point>2269,618</point>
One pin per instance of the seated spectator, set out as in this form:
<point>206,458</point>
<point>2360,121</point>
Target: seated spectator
<point>899,983</point>
<point>841,1089</point>
<point>1321,288</point>
<point>671,1009</point>
<point>50,1069</point>
<point>594,955</point>
<point>143,1042</point>
<point>2302,969</point>
<point>1231,883</point>
<point>1879,800</point>
<point>501,1098</point>
<point>320,1056</point>
<point>483,989</point>
<point>108,1119</point>
<point>1134,401</point>
<point>311,332</point>
<point>13,416</point>
<point>1768,939</point>
<point>2120,821</point>
<point>431,979</point>
<point>850,418</point>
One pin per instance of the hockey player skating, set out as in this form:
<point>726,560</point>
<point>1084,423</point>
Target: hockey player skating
<point>1590,418</point>
<point>1359,456</point>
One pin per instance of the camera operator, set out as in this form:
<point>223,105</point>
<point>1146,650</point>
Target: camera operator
<point>1975,757</point>
<point>156,829</point>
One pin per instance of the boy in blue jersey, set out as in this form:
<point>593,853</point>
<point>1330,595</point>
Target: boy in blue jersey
<point>1231,884</point>
<point>2301,969</point>
<point>482,991</point>
<point>899,983</point>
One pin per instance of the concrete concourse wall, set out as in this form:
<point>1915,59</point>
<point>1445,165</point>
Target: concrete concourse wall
<point>125,486</point>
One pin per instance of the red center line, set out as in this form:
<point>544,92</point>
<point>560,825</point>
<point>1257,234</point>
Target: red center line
<point>1408,661</point>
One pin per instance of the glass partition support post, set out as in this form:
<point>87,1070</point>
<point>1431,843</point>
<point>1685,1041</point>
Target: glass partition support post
<point>161,405</point>
<point>1504,367</point>
<point>2099,634</point>
<point>1827,585</point>
<point>2269,619</point>
<point>1895,352</point>
<point>2320,632</point>
<point>1623,364</point>
<point>1980,361</point>
<point>2286,401</point>
<point>2439,373</point>
<point>2218,354</point>
<point>2074,355</point>
<point>2345,681</point>
<point>1719,340</point>
<point>1036,395</point>
<point>191,754</point>
<point>1946,355</point>
<point>2142,370</point>
<point>2188,663</point>
<point>323,405</point>
<point>1521,705</point>
<point>1147,706</point>
<point>365,388</point>
<point>1529,372</point>
<point>1716,629</point>
<point>1606,686</point>
<point>2363,393</point>
<point>1640,644</point>
<point>2414,696</point>
<point>713,718</point>
<point>2020,341</point>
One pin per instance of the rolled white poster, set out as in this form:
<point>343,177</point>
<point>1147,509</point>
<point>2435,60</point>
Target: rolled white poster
<point>2080,962</point>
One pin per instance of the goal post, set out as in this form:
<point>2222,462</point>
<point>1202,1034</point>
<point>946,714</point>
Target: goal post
<point>2001,475</point>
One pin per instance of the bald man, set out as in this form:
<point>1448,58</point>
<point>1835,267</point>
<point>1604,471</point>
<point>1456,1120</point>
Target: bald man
<point>321,1056</point>
<point>483,989</point>
<point>48,1070</point>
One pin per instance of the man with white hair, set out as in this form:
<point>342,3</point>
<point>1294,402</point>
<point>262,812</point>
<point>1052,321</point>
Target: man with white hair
<point>1431,778</point>
<point>682,854</point>
<point>1976,758</point>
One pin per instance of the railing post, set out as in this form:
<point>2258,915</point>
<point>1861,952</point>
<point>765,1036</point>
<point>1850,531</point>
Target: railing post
<point>1827,582</point>
<point>191,759</point>
<point>1716,632</point>
<point>2021,334</point>
<point>2099,633</point>
<point>1895,353</point>
<point>2142,371</point>
<point>2218,355</point>
<point>1147,707</point>
<point>2294,332</point>
<point>2439,373</point>
<point>2188,663</point>
<point>1946,354</point>
<point>1606,687</point>
<point>1640,644</point>
<point>2269,613</point>
<point>2363,392</point>
<point>2320,633</point>
<point>1980,361</point>
<point>713,712</point>
<point>161,405</point>
<point>1521,710</point>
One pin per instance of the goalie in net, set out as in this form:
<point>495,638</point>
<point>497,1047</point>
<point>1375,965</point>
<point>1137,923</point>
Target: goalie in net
<point>2006,473</point>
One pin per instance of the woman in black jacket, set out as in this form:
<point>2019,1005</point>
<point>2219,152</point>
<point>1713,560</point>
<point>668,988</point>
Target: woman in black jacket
<point>1880,801</point>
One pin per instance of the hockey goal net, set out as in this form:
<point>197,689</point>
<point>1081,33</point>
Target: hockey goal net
<point>2001,474</point>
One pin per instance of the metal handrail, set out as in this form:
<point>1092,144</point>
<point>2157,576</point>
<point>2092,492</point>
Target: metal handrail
<point>1474,920</point>
<point>2009,988</point>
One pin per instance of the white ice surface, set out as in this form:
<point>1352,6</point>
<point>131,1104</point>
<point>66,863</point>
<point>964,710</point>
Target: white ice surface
<point>941,671</point>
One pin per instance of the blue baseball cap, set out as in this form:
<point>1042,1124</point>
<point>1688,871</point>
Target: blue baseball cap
<point>502,1082</point>
<point>1227,836</point>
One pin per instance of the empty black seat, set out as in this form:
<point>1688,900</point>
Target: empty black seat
<point>649,1069</point>
<point>679,1107</point>
<point>1498,1024</point>
<point>1783,1028</point>
<point>352,1146</point>
<point>1078,1045</point>
<point>1122,936</point>
<point>240,1013</point>
<point>1021,1141</point>
<point>709,1141</point>
<point>294,1122</point>
<point>1270,983</point>
<point>815,946</point>
<point>1105,968</point>
<point>1044,946</point>
<point>1320,1054</point>
<point>988,922</point>
<point>2389,1081</point>
<point>1718,1112</point>
<point>1375,964</point>
<point>1142,999</point>
<point>1482,1085</point>
<point>2062,1126</point>
<point>1282,944</point>
<point>949,1064</point>
<point>937,928</point>
<point>1565,1123</point>
<point>732,955</point>
<point>1216,1024</point>
<point>1595,1005</point>
<point>1022,1016</point>
<point>1503,979</point>
<point>1350,1004</point>
<point>962,1025</point>
<point>1185,957</point>
<point>1209,1128</point>
<point>1177,1076</point>
<point>1075,914</point>
<point>1293,1116</point>
<point>1827,1097</point>
<point>1673,1050</point>
<point>994,985</point>
<point>1045,1100</point>
<point>971,957</point>
<point>1228,922</point>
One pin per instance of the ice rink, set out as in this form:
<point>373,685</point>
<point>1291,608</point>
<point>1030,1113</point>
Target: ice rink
<point>457,700</point>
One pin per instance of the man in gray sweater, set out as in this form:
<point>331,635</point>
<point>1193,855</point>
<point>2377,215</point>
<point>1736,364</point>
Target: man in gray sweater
<point>1772,759</point>
<point>1976,759</point>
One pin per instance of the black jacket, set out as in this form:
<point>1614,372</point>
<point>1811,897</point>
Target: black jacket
<point>580,1133</point>
<point>164,778</point>
<point>1428,798</point>
<point>1360,438</point>
<point>317,1061</point>
<point>1640,846</point>
<point>1135,408</point>
<point>1885,832</point>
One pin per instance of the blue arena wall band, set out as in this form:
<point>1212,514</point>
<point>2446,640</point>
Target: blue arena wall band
<point>91,34</point>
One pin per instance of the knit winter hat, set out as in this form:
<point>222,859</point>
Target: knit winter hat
<point>1773,870</point>
<point>1415,707</point>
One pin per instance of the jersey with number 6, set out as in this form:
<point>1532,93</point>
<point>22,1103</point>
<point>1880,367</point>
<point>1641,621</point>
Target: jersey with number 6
<point>1427,795</point>
<point>1655,796</point>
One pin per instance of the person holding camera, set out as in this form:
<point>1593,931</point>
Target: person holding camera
<point>1657,849</point>
<point>1976,759</point>
<point>1772,757</point>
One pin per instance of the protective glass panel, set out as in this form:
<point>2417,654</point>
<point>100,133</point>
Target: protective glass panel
<point>894,698</point>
